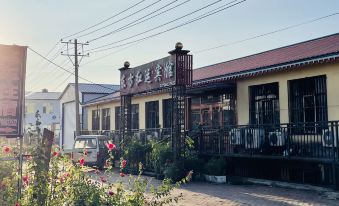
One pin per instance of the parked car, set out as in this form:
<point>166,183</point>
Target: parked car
<point>95,148</point>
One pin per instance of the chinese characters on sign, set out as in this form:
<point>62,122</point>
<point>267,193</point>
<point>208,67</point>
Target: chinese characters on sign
<point>154,75</point>
<point>12,70</point>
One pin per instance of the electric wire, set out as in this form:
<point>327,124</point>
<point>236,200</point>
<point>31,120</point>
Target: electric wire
<point>121,19</point>
<point>268,33</point>
<point>138,21</point>
<point>162,25</point>
<point>175,27</point>
<point>103,21</point>
<point>73,73</point>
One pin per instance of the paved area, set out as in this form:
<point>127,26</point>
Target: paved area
<point>207,194</point>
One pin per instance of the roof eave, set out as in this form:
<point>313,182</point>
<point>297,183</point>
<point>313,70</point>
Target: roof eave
<point>278,67</point>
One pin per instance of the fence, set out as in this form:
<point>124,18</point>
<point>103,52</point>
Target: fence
<point>308,140</point>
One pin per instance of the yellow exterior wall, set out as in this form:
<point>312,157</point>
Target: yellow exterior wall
<point>332,79</point>
<point>141,100</point>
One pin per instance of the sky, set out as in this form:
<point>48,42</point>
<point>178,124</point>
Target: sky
<point>41,24</point>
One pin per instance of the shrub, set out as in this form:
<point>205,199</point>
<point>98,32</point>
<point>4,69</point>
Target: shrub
<point>215,167</point>
<point>160,154</point>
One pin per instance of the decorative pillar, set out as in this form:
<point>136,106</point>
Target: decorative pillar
<point>183,62</point>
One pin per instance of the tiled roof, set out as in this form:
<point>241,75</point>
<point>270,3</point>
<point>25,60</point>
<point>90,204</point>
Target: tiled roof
<point>300,51</point>
<point>97,88</point>
<point>43,96</point>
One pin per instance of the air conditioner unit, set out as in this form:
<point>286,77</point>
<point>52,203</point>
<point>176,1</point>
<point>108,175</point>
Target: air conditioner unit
<point>152,135</point>
<point>254,138</point>
<point>236,138</point>
<point>277,138</point>
<point>329,139</point>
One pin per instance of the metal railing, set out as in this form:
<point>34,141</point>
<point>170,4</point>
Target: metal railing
<point>307,140</point>
<point>304,140</point>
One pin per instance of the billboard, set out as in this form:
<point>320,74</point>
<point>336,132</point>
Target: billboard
<point>154,75</point>
<point>12,90</point>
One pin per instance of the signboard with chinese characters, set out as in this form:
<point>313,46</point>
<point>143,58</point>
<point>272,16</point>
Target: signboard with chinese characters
<point>154,75</point>
<point>12,76</point>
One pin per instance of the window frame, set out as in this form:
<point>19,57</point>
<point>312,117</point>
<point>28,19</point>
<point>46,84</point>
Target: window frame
<point>106,119</point>
<point>298,89</point>
<point>264,107</point>
<point>153,106</point>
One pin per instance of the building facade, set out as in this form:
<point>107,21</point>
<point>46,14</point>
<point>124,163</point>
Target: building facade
<point>48,106</point>
<point>87,92</point>
<point>272,115</point>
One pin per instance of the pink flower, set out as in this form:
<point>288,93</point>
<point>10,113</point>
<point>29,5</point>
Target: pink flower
<point>110,193</point>
<point>123,163</point>
<point>6,149</point>
<point>122,174</point>
<point>82,161</point>
<point>103,179</point>
<point>17,204</point>
<point>111,146</point>
<point>67,175</point>
<point>55,153</point>
<point>25,179</point>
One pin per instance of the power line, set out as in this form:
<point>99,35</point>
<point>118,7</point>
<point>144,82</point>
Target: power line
<point>44,66</point>
<point>268,33</point>
<point>37,84</point>
<point>137,22</point>
<point>236,42</point>
<point>121,19</point>
<point>59,85</point>
<point>134,5</point>
<point>60,67</point>
<point>162,25</point>
<point>55,45</point>
<point>219,9</point>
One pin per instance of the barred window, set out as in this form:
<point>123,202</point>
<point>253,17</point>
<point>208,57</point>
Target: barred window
<point>117,118</point>
<point>308,103</point>
<point>167,113</point>
<point>264,104</point>
<point>135,116</point>
<point>96,119</point>
<point>106,119</point>
<point>152,114</point>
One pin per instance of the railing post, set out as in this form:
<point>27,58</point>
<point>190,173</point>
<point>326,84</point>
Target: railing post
<point>288,139</point>
<point>219,142</point>
<point>200,139</point>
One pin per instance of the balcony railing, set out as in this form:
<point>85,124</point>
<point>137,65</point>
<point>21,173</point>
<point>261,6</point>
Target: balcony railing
<point>307,140</point>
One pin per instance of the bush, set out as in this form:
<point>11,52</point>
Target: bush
<point>173,172</point>
<point>160,154</point>
<point>133,150</point>
<point>215,167</point>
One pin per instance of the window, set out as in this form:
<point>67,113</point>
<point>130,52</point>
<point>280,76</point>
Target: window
<point>106,119</point>
<point>89,143</point>
<point>47,108</point>
<point>167,113</point>
<point>195,118</point>
<point>308,103</point>
<point>152,114</point>
<point>117,118</point>
<point>135,116</point>
<point>264,104</point>
<point>96,119</point>
<point>30,108</point>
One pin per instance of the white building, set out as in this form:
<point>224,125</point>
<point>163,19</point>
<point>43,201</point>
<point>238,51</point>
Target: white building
<point>87,92</point>
<point>48,105</point>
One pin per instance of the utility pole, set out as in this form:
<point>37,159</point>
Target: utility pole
<point>76,62</point>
